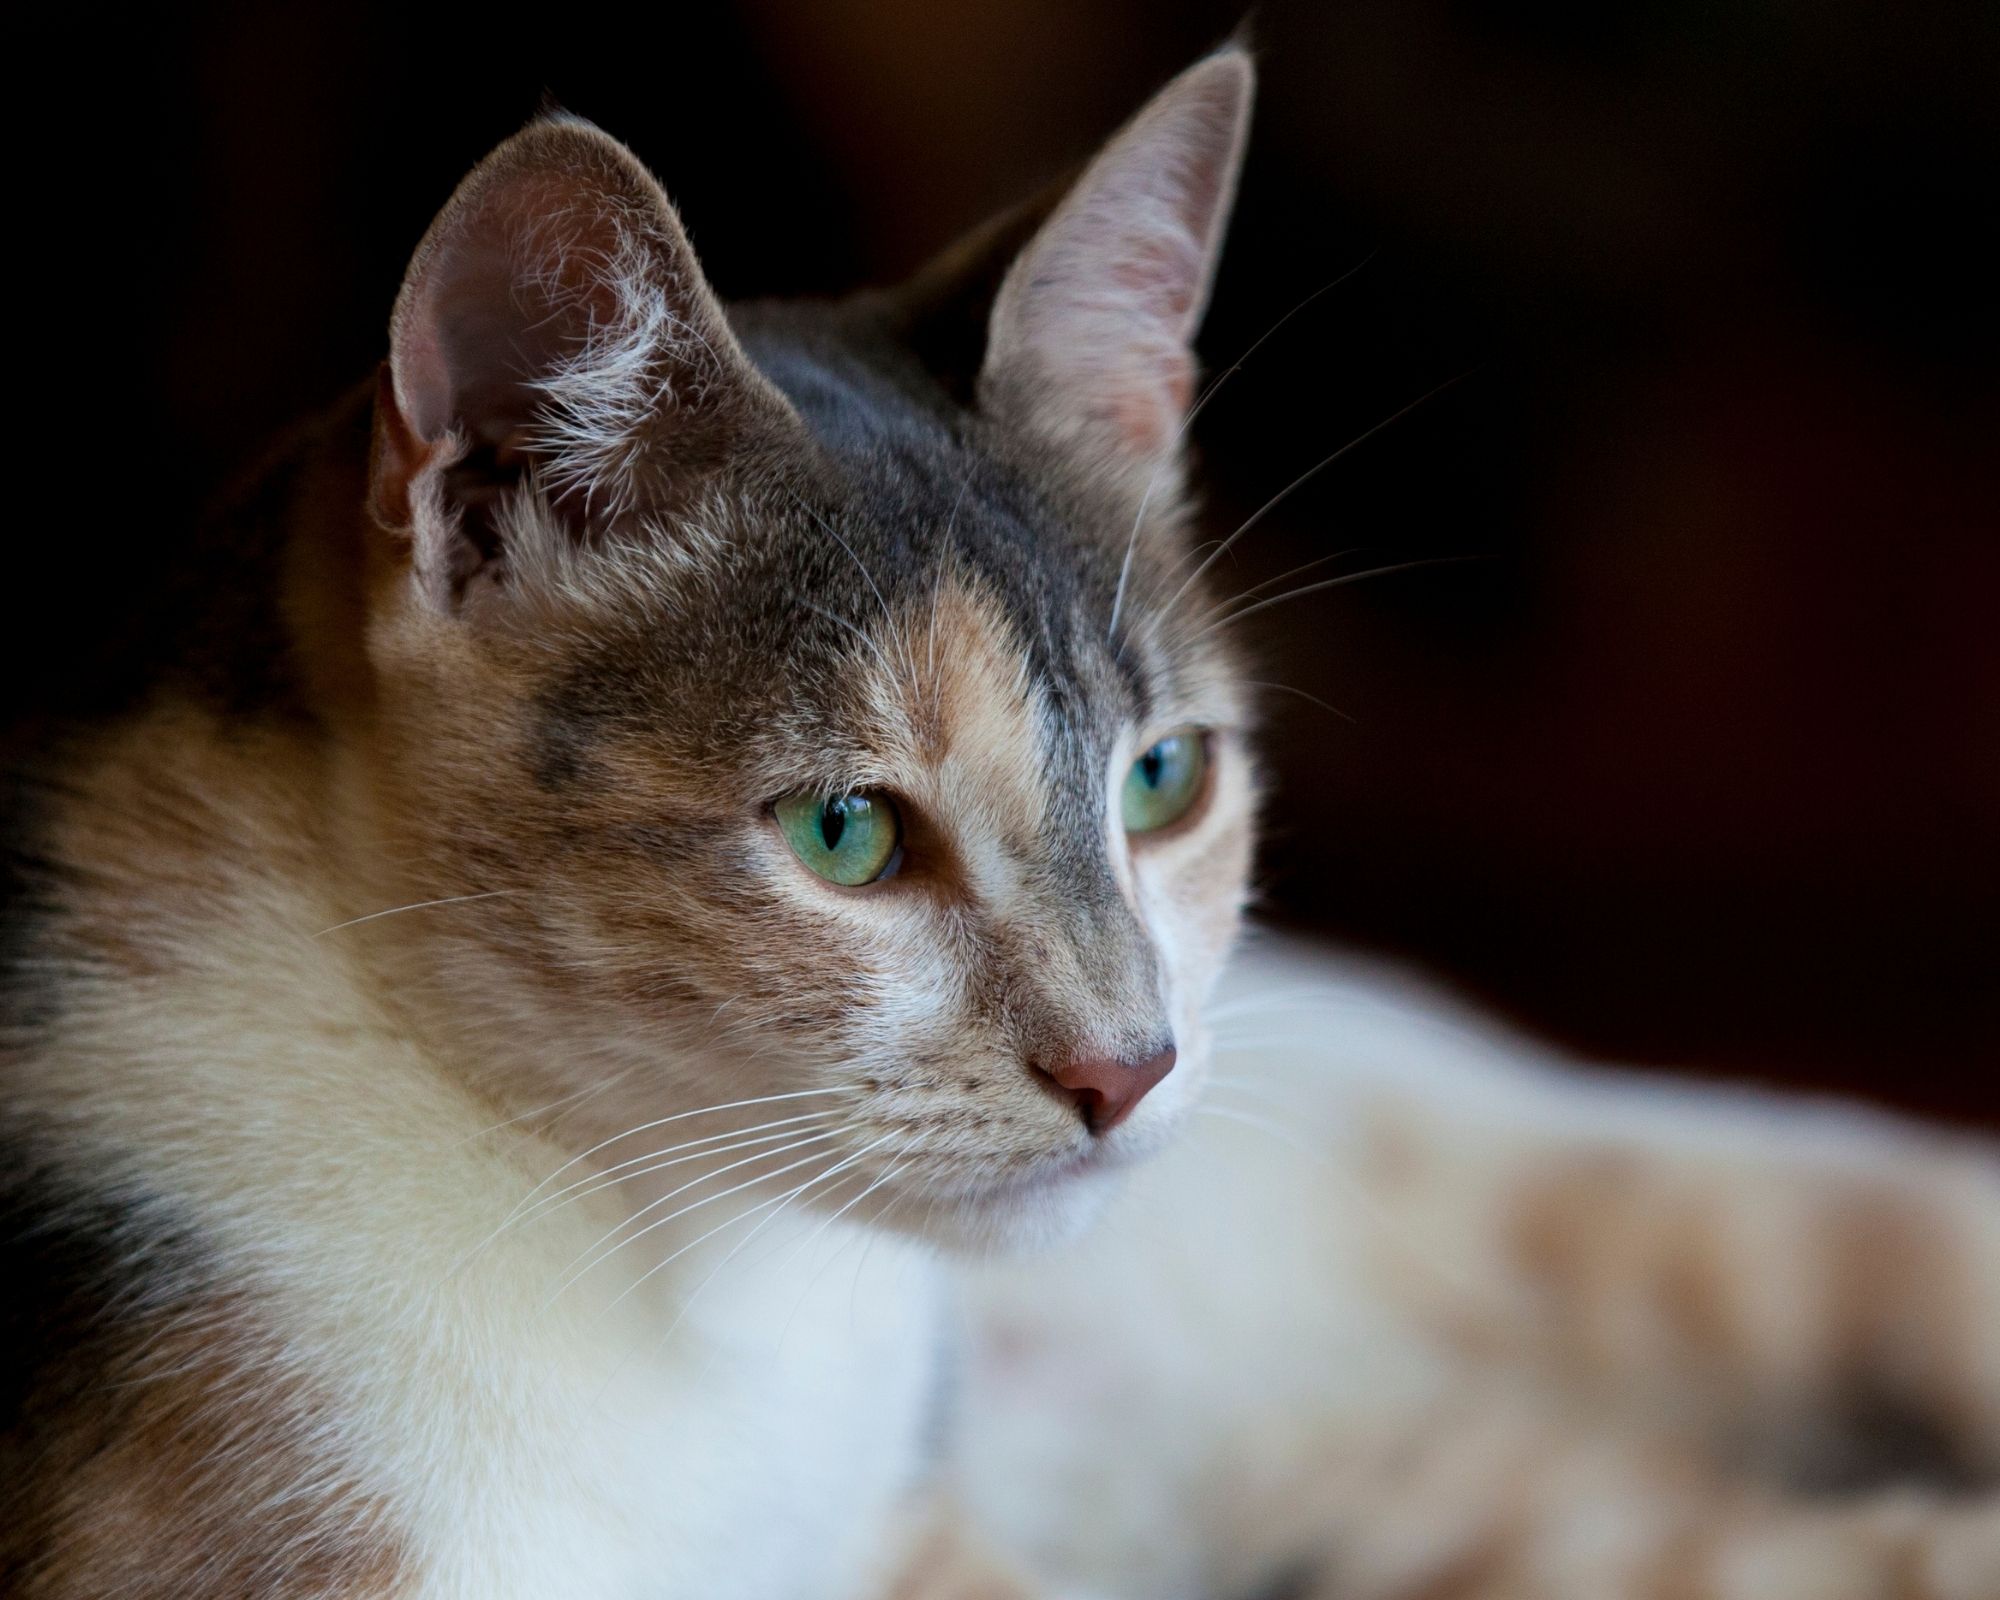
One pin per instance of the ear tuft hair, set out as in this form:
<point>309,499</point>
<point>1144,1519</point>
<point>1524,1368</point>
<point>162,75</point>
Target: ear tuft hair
<point>554,336</point>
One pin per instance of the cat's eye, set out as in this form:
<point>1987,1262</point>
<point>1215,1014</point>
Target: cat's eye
<point>849,839</point>
<point>1166,782</point>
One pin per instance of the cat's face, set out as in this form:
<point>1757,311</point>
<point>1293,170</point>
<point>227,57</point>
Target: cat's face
<point>813,723</point>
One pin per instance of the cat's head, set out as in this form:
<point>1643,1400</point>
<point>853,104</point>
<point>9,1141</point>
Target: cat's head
<point>816,696</point>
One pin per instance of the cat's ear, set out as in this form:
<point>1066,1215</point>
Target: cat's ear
<point>554,335</point>
<point>1090,339</point>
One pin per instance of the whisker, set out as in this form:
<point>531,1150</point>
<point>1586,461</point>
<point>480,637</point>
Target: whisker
<point>661,1122</point>
<point>1302,568</point>
<point>1329,583</point>
<point>820,1272</point>
<point>727,1223</point>
<point>888,617</point>
<point>571,1101</point>
<point>687,1305</point>
<point>574,1095</point>
<point>834,534</point>
<point>1301,481</point>
<point>577,1272</point>
<point>660,1160</point>
<point>842,622</point>
<point>1221,548</point>
<point>415,905</point>
<point>1263,1095</point>
<point>830,1220</point>
<point>784,1201</point>
<point>1286,688</point>
<point>1259,1045</point>
<point>832,1189</point>
<point>1208,393</point>
<point>781,1201</point>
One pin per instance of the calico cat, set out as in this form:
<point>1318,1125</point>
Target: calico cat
<point>657,818</point>
<point>654,821</point>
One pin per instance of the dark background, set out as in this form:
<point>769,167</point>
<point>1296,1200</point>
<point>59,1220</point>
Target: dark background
<point>1699,762</point>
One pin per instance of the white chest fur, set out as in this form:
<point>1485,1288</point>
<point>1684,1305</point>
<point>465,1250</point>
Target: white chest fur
<point>741,1426</point>
<point>745,1432</point>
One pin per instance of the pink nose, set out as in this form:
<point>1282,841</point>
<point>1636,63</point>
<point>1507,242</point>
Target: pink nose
<point>1105,1090</point>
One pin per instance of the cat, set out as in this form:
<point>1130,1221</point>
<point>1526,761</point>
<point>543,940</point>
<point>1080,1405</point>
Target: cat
<point>661,833</point>
<point>1419,1310</point>
<point>654,820</point>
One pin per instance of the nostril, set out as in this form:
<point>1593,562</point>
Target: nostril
<point>1079,1098</point>
<point>1089,1102</point>
<point>1106,1089</point>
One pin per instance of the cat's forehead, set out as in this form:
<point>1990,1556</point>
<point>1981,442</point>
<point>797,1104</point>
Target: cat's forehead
<point>913,493</point>
<point>897,584</point>
<point>856,622</point>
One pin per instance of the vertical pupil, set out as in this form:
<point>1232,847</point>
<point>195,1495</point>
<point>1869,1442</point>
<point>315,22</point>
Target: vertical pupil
<point>833,822</point>
<point>1152,763</point>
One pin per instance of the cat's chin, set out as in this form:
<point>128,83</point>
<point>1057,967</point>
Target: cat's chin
<point>1027,1214</point>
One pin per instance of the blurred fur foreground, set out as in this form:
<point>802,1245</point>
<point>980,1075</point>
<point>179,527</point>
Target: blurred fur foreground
<point>1417,1312</point>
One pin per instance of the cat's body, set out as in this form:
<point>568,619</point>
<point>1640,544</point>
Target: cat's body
<point>643,834</point>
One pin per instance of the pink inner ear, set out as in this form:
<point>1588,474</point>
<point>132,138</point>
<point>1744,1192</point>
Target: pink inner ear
<point>511,290</point>
<point>1160,275</point>
<point>1146,410</point>
<point>1158,279</point>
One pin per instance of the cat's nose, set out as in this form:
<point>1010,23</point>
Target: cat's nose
<point>1106,1089</point>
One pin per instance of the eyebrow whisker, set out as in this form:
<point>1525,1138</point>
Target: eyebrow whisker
<point>1201,404</point>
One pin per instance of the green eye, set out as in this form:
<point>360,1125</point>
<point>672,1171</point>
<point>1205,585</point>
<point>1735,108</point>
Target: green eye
<point>848,839</point>
<point>1165,782</point>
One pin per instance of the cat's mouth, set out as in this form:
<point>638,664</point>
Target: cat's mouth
<point>1001,1197</point>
